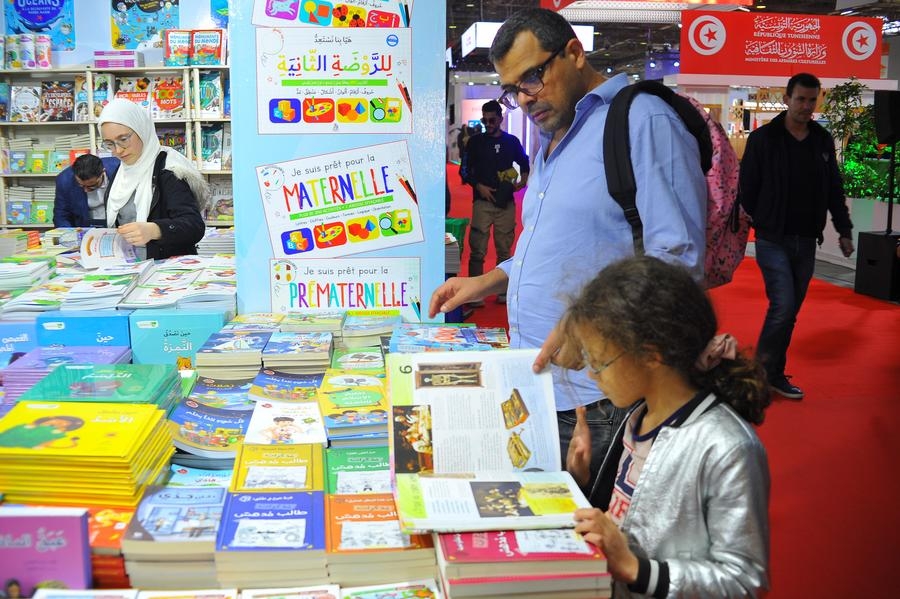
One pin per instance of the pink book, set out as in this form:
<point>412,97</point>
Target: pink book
<point>517,553</point>
<point>40,545</point>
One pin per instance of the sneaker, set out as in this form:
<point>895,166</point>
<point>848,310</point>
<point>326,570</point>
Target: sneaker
<point>782,386</point>
<point>501,298</point>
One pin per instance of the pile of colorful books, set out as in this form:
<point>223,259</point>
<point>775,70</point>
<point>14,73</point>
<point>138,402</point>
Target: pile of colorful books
<point>232,353</point>
<point>299,353</point>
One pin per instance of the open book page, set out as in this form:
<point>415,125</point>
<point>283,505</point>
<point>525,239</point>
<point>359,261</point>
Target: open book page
<point>105,246</point>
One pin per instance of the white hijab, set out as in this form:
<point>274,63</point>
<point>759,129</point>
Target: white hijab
<point>135,179</point>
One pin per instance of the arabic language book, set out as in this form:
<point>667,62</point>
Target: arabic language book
<point>357,470</point>
<point>285,423</point>
<point>166,336</point>
<point>206,431</point>
<point>67,328</point>
<point>416,589</point>
<point>225,394</point>
<point>353,402</point>
<point>273,521</point>
<point>185,476</point>
<point>271,384</point>
<point>368,523</point>
<point>279,468</point>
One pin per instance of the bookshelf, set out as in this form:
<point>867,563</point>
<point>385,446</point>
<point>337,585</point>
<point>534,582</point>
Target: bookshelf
<point>186,131</point>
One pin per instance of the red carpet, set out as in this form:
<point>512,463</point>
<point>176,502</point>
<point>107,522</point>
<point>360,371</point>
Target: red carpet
<point>833,455</point>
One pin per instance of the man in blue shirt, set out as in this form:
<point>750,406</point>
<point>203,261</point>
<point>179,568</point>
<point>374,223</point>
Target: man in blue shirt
<point>572,227</point>
<point>81,190</point>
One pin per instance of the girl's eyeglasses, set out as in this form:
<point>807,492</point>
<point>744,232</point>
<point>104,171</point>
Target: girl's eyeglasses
<point>598,369</point>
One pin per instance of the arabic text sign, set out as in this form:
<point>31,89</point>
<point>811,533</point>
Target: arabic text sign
<point>741,43</point>
<point>333,80</point>
<point>343,203</point>
<point>349,284</point>
<point>323,13</point>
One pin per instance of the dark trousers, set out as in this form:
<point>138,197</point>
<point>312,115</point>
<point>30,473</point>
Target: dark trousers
<point>787,267</point>
<point>603,419</point>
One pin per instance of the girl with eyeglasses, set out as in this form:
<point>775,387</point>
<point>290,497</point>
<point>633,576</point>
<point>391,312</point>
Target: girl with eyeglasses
<point>155,199</point>
<point>682,494</point>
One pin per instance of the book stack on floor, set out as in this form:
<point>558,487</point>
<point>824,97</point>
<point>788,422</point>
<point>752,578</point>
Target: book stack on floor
<point>44,546</point>
<point>169,543</point>
<point>157,385</point>
<point>232,353</point>
<point>82,453</point>
<point>534,563</point>
<point>106,528</point>
<point>354,406</point>
<point>35,365</point>
<point>300,353</point>
<point>364,328</point>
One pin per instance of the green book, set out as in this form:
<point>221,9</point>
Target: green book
<point>357,470</point>
<point>358,358</point>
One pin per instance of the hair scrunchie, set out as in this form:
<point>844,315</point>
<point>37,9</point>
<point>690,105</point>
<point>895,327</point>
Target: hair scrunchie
<point>719,347</point>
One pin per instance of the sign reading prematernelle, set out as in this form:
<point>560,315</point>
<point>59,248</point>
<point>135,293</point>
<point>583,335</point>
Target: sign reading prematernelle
<point>341,203</point>
<point>780,45</point>
<point>348,284</point>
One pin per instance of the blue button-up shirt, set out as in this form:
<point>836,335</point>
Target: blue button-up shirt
<point>572,227</point>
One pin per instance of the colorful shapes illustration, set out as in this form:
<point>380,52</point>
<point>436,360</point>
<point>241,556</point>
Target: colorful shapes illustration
<point>284,9</point>
<point>386,110</point>
<point>284,110</point>
<point>397,222</point>
<point>298,241</point>
<point>284,272</point>
<point>379,18</point>
<point>328,235</point>
<point>362,229</point>
<point>318,110</point>
<point>316,12</point>
<point>352,110</point>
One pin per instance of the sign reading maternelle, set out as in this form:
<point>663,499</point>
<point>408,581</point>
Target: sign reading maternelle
<point>780,45</point>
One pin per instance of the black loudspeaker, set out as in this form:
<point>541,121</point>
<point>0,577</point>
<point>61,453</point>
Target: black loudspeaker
<point>887,116</point>
<point>877,265</point>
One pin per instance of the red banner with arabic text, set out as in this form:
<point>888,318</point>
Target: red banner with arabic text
<point>560,4</point>
<point>773,44</point>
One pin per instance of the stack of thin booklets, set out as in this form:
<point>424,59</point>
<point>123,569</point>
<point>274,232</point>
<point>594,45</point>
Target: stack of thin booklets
<point>22,374</point>
<point>45,297</point>
<point>255,321</point>
<point>314,321</point>
<point>358,358</point>
<point>542,563</point>
<point>215,288</point>
<point>170,542</point>
<point>158,385</point>
<point>17,272</point>
<point>74,453</point>
<point>300,353</point>
<point>218,240</point>
<point>355,407</point>
<point>364,328</point>
<point>232,353</point>
<point>105,287</point>
<point>106,527</point>
<point>423,337</point>
<point>269,384</point>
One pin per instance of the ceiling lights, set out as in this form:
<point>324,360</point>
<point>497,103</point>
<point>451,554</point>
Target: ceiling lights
<point>628,11</point>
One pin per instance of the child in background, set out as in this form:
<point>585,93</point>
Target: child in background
<point>682,496</point>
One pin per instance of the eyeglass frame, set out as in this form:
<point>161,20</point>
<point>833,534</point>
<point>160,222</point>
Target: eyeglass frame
<point>597,370</point>
<point>122,142</point>
<point>90,188</point>
<point>491,119</point>
<point>509,97</point>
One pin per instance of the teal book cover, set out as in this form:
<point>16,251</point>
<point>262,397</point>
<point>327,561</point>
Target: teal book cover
<point>171,336</point>
<point>107,383</point>
<point>83,327</point>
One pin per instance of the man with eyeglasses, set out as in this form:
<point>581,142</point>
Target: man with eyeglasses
<point>80,191</point>
<point>572,227</point>
<point>488,168</point>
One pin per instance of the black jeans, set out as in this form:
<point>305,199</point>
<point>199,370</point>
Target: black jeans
<point>603,420</point>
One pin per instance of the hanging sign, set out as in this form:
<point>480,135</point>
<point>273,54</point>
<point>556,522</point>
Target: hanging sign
<point>326,13</point>
<point>773,44</point>
<point>560,4</point>
<point>140,22</point>
<point>55,18</point>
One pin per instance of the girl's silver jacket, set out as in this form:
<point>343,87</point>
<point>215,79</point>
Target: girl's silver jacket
<point>699,515</point>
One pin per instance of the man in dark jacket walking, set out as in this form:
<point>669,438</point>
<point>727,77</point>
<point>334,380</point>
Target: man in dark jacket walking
<point>789,180</point>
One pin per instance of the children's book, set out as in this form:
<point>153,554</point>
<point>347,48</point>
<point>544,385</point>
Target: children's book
<point>234,347</point>
<point>273,521</point>
<point>421,337</point>
<point>57,101</point>
<point>353,402</point>
<point>416,589</point>
<point>207,47</point>
<point>80,91</point>
<point>192,594</point>
<point>298,347</point>
<point>104,91</point>
<point>227,147</point>
<point>150,384</point>
<point>272,384</point>
<point>166,336</point>
<point>4,101</point>
<point>25,103</point>
<point>357,470</point>
<point>44,546</point>
<point>313,320</point>
<point>167,98</point>
<point>279,467</point>
<point>517,552</point>
<point>135,89</point>
<point>322,591</point>
<point>172,137</point>
<point>174,520</point>
<point>364,523</point>
<point>286,423</point>
<point>504,414</point>
<point>185,476</point>
<point>46,593</point>
<point>106,527</point>
<point>176,47</point>
<point>357,358</point>
<point>18,212</point>
<point>210,95</point>
<point>211,146</point>
<point>363,327</point>
<point>105,246</point>
<point>205,431</point>
<point>221,204</point>
<point>225,394</point>
<point>38,159</point>
<point>68,328</point>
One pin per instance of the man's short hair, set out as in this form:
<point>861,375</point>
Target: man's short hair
<point>492,106</point>
<point>803,80</point>
<point>87,166</point>
<point>550,29</point>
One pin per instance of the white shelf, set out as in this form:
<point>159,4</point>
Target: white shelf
<point>28,175</point>
<point>41,123</point>
<point>216,172</point>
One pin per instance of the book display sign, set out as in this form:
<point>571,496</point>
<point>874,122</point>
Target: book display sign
<point>135,22</point>
<point>323,13</point>
<point>334,81</point>
<point>342,203</point>
<point>352,283</point>
<point>56,19</point>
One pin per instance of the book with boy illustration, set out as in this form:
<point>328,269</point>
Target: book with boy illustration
<point>279,468</point>
<point>285,423</point>
<point>504,416</point>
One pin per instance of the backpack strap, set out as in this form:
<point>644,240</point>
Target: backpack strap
<point>617,147</point>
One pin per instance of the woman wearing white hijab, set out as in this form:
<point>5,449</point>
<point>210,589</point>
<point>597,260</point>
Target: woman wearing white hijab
<point>155,199</point>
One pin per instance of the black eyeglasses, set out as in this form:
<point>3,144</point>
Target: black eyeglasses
<point>531,83</point>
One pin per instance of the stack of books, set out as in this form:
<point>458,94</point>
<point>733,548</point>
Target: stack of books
<point>232,353</point>
<point>358,358</point>
<point>170,542</point>
<point>212,435</point>
<point>364,328</point>
<point>22,374</point>
<point>43,298</point>
<point>157,385</point>
<point>275,385</point>
<point>106,527</point>
<point>286,423</point>
<point>106,286</point>
<point>256,321</point>
<point>314,321</point>
<point>543,563</point>
<point>217,240</point>
<point>74,453</point>
<point>355,407</point>
<point>19,273</point>
<point>215,288</point>
<point>423,337</point>
<point>297,352</point>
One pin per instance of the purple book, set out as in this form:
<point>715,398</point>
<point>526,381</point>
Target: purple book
<point>44,546</point>
<point>48,358</point>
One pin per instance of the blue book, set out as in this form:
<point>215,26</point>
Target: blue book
<point>16,337</point>
<point>171,336</point>
<point>272,384</point>
<point>225,394</point>
<point>270,521</point>
<point>83,327</point>
<point>207,431</point>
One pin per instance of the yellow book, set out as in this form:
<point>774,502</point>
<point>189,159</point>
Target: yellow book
<point>279,467</point>
<point>353,402</point>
